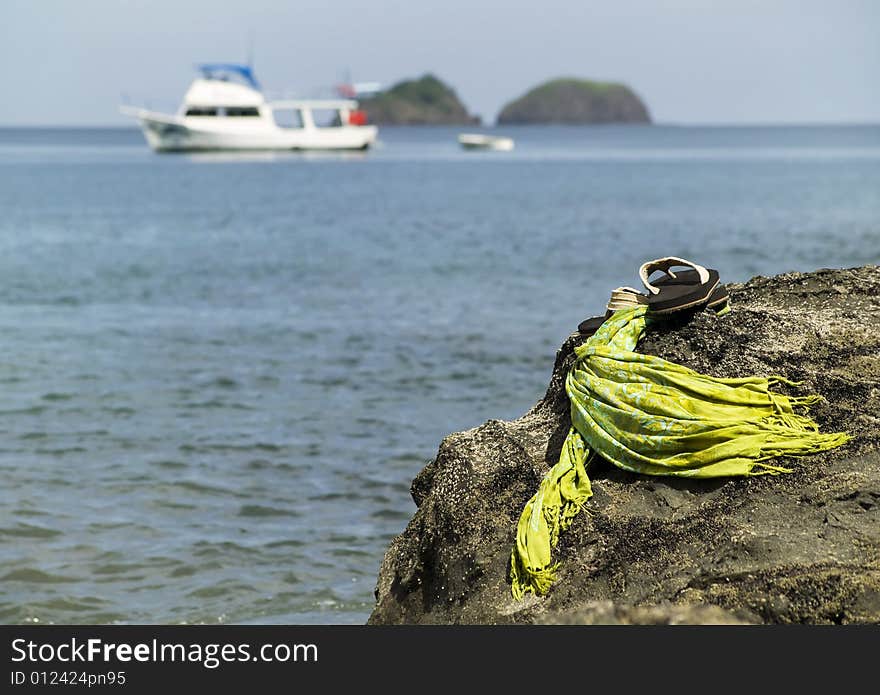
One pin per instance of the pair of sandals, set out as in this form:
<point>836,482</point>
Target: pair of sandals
<point>686,290</point>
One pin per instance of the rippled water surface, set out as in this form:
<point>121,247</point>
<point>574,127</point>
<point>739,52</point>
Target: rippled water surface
<point>219,374</point>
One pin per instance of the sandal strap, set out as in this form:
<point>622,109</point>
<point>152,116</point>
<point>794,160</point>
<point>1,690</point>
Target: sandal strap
<point>665,264</point>
<point>625,293</point>
<point>624,298</point>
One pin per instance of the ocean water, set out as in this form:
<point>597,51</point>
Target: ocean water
<point>219,374</point>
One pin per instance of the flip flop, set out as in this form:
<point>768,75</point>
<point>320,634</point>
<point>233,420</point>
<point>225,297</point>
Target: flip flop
<point>621,298</point>
<point>624,297</point>
<point>678,291</point>
<point>591,325</point>
<point>719,300</point>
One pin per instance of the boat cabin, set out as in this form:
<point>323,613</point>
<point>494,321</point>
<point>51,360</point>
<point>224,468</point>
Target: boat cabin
<point>228,90</point>
<point>224,90</point>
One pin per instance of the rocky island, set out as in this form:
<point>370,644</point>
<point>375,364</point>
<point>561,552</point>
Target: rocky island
<point>576,102</point>
<point>801,547</point>
<point>424,101</point>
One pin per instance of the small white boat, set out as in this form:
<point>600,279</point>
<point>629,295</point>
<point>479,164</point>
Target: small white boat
<point>225,109</point>
<point>479,141</point>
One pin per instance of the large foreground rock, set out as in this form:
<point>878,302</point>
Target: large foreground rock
<point>802,547</point>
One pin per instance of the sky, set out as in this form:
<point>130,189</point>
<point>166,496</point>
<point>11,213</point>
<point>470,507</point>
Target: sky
<point>72,62</point>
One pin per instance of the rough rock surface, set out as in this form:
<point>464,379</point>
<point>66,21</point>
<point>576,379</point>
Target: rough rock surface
<point>576,102</point>
<point>802,547</point>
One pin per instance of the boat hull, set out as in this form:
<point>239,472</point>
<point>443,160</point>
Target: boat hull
<point>172,134</point>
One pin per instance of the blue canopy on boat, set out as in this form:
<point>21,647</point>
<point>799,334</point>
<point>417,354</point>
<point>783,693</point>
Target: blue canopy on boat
<point>221,70</point>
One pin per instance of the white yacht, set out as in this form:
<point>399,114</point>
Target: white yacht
<point>225,109</point>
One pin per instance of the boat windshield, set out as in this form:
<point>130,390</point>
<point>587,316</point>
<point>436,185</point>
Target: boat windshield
<point>229,72</point>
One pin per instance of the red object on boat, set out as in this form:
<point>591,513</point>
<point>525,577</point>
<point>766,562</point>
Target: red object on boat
<point>357,117</point>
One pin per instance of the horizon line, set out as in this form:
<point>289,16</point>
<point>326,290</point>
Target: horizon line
<point>666,124</point>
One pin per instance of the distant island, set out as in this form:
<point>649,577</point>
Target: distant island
<point>576,102</point>
<point>424,101</point>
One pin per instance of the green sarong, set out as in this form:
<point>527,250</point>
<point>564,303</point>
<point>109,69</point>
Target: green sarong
<point>651,416</point>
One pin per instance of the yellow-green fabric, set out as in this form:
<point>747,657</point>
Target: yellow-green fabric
<point>648,415</point>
